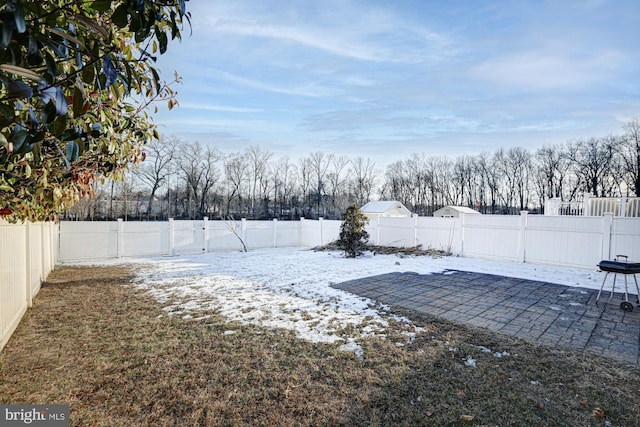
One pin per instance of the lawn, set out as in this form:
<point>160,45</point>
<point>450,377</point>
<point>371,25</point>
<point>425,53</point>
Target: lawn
<point>109,349</point>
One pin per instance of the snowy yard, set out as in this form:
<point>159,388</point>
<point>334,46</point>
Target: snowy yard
<point>290,288</point>
<point>133,362</point>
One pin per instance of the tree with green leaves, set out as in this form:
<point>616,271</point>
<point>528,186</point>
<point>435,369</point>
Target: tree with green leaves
<point>77,78</point>
<point>353,236</point>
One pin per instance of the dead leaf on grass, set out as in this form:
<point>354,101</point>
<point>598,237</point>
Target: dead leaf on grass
<point>598,413</point>
<point>467,417</point>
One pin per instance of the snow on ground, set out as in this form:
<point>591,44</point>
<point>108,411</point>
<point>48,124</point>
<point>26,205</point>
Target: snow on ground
<point>290,288</point>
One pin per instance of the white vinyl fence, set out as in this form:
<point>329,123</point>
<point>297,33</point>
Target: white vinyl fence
<point>555,240</point>
<point>87,240</point>
<point>28,253</point>
<point>595,206</point>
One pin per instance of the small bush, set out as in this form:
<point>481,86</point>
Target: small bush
<point>353,237</point>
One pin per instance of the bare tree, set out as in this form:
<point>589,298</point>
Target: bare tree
<point>157,166</point>
<point>126,199</point>
<point>394,187</point>
<point>464,174</point>
<point>283,176</point>
<point>441,183</point>
<point>305,172</point>
<point>630,154</point>
<point>200,172</point>
<point>520,162</point>
<point>505,187</point>
<point>363,179</point>
<point>420,179</point>
<point>490,174</point>
<point>258,160</point>
<point>552,166</point>
<point>592,160</point>
<point>236,174</point>
<point>336,187</point>
<point>320,163</point>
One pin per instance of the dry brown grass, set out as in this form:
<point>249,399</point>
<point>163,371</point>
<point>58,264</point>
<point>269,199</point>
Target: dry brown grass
<point>93,342</point>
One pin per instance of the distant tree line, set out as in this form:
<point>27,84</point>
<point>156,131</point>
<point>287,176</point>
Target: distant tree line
<point>189,180</point>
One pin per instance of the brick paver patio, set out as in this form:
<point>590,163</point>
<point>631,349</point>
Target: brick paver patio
<point>551,314</point>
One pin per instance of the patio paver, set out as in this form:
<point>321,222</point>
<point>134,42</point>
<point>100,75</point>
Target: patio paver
<point>548,313</point>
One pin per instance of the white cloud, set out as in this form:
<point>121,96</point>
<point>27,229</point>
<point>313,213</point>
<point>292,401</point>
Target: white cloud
<point>209,107</point>
<point>548,69</point>
<point>307,90</point>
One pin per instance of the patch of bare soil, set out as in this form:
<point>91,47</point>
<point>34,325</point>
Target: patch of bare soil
<point>93,342</point>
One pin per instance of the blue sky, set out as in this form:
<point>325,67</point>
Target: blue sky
<point>384,79</point>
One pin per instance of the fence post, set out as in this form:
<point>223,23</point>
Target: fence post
<point>415,230</point>
<point>59,242</point>
<point>551,206</point>
<point>119,238</point>
<point>275,232</point>
<point>461,220</point>
<point>205,233</point>
<point>377,230</point>
<point>43,274</point>
<point>301,233</point>
<point>171,236</point>
<point>27,257</point>
<point>623,207</point>
<point>586,206</point>
<point>607,220</point>
<point>522,239</point>
<point>320,220</point>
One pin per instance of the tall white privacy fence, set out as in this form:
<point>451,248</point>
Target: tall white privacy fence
<point>28,253</point>
<point>555,240</point>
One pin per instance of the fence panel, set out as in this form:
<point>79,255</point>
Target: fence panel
<point>84,240</point>
<point>566,241</point>
<point>188,237</point>
<point>439,233</point>
<point>25,261</point>
<point>34,233</point>
<point>318,233</point>
<point>393,231</point>
<point>13,277</point>
<point>625,238</point>
<point>491,237</point>
<point>601,205</point>
<point>259,234</point>
<point>49,239</point>
<point>221,236</point>
<point>632,207</point>
<point>144,239</point>
<point>288,233</point>
<point>330,231</point>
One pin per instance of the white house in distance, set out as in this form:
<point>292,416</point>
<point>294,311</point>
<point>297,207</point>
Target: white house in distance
<point>385,208</point>
<point>455,211</point>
